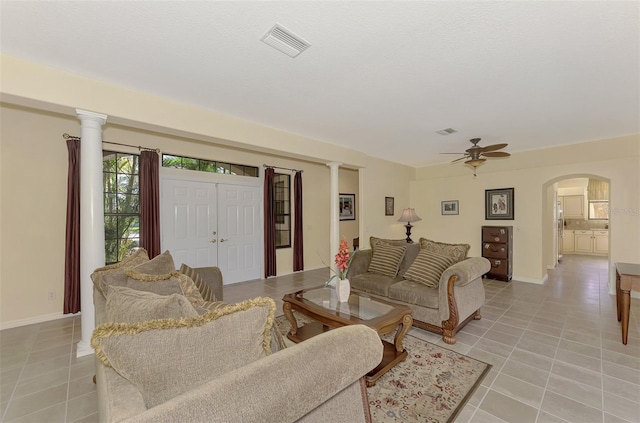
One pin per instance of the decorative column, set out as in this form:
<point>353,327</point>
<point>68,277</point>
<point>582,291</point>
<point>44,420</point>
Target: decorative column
<point>91,218</point>
<point>334,237</point>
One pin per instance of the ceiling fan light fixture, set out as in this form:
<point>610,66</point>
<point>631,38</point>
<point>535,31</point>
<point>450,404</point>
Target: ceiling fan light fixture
<point>475,162</point>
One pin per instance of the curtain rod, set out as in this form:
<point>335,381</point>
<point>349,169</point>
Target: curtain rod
<point>140,148</point>
<point>285,168</point>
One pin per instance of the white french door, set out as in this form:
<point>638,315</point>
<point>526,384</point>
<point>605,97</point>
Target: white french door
<point>211,224</point>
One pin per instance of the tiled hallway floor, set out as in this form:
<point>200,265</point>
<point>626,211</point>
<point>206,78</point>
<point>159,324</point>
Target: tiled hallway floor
<point>555,348</point>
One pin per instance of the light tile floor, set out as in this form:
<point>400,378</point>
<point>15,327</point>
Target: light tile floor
<point>555,348</point>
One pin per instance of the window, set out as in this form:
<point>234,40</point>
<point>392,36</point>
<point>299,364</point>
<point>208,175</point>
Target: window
<point>188,163</point>
<point>598,210</point>
<point>121,204</point>
<point>282,209</point>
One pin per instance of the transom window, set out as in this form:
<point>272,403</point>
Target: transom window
<point>212,166</point>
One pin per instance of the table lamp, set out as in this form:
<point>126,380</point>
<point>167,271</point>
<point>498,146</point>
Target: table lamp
<point>409,215</point>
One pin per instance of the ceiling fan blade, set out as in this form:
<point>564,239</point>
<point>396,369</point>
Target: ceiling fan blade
<point>453,153</point>
<point>496,154</point>
<point>461,158</point>
<point>494,147</point>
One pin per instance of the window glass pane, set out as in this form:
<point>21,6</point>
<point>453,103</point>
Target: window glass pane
<point>108,161</point>
<point>128,203</point>
<point>207,166</point>
<point>111,251</point>
<point>171,161</point>
<point>110,227</point>
<point>110,203</point>
<point>236,169</point>
<point>128,183</point>
<point>251,171</point>
<point>223,167</point>
<point>189,163</point>
<point>127,164</point>
<point>109,182</point>
<point>598,210</point>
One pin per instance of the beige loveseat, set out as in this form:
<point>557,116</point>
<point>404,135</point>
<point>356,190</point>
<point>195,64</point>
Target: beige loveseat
<point>437,281</point>
<point>213,362</point>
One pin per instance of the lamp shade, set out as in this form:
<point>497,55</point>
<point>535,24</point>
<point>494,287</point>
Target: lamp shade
<point>409,215</point>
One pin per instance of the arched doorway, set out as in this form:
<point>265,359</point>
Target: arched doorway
<point>587,227</point>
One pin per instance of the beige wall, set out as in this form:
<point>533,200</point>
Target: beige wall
<point>531,173</point>
<point>33,176</point>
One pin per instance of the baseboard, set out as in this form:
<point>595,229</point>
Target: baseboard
<point>34,320</point>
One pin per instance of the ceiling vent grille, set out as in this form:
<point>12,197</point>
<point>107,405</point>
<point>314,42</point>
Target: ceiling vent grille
<point>285,41</point>
<point>447,131</point>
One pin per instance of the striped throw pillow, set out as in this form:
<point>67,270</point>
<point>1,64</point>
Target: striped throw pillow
<point>202,286</point>
<point>386,259</point>
<point>428,267</point>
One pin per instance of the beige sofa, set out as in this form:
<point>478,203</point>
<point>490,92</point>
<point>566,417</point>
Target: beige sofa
<point>216,362</point>
<point>445,305</point>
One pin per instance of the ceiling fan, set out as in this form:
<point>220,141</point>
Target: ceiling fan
<point>475,155</point>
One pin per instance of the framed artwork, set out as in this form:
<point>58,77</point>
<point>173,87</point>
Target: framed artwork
<point>347,206</point>
<point>388,206</point>
<point>450,207</point>
<point>498,204</point>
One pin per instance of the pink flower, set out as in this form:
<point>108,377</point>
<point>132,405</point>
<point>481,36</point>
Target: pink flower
<point>342,259</point>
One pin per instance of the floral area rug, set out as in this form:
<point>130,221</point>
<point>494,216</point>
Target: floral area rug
<point>431,385</point>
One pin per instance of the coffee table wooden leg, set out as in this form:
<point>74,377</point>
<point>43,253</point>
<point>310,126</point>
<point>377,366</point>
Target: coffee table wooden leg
<point>407,321</point>
<point>286,308</point>
<point>625,305</point>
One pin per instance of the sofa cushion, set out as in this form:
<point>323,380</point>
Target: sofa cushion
<point>373,283</point>
<point>428,267</point>
<point>409,255</point>
<point>386,259</point>
<point>165,358</point>
<point>113,274</point>
<point>202,286</point>
<point>458,251</point>
<point>414,293</point>
<point>164,284</point>
<point>159,265</point>
<point>129,305</point>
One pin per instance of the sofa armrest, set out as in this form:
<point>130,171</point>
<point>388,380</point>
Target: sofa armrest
<point>466,271</point>
<point>284,386</point>
<point>213,278</point>
<point>360,263</point>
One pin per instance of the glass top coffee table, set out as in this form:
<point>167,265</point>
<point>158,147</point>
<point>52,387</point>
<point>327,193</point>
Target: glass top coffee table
<point>321,305</point>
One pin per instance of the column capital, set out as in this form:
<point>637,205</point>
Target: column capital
<point>334,164</point>
<point>97,117</point>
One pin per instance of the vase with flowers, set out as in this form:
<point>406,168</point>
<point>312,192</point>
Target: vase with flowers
<point>342,260</point>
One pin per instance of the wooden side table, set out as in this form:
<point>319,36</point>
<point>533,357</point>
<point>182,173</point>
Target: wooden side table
<point>627,279</point>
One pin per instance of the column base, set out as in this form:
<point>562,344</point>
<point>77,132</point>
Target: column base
<point>83,348</point>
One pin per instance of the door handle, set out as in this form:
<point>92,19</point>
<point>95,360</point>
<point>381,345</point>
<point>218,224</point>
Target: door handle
<point>213,241</point>
<point>223,240</point>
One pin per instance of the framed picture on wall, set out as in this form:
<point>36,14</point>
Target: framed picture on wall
<point>389,206</point>
<point>450,207</point>
<point>498,204</point>
<point>347,206</point>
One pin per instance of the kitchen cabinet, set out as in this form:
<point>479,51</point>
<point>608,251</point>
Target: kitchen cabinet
<point>567,241</point>
<point>583,241</point>
<point>601,242</point>
<point>573,206</point>
<point>591,242</point>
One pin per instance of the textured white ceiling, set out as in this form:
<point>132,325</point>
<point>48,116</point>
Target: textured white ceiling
<point>380,77</point>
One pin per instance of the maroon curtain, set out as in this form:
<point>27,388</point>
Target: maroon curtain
<point>269,225</point>
<point>72,236</point>
<point>150,202</point>
<point>298,249</point>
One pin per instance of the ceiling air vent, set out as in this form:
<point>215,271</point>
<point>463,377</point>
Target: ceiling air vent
<point>285,41</point>
<point>447,131</point>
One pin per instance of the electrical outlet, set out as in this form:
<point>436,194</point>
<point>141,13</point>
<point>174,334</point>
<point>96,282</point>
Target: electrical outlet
<point>52,295</point>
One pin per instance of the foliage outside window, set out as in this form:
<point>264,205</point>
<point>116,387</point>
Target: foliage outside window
<point>212,166</point>
<point>282,209</point>
<point>598,210</point>
<point>121,204</point>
